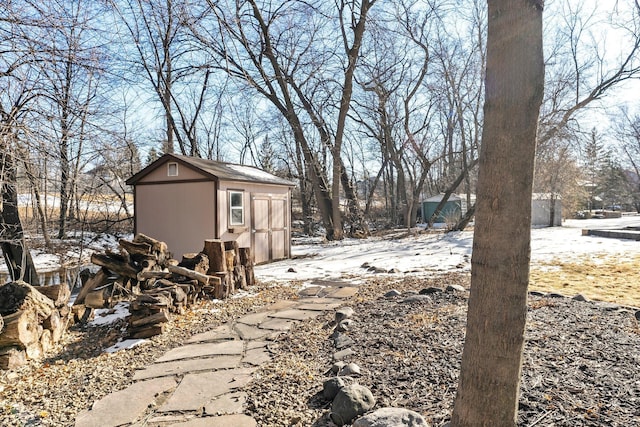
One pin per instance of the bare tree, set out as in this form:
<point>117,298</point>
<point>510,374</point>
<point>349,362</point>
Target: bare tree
<point>492,356</point>
<point>627,129</point>
<point>19,92</point>
<point>177,73</point>
<point>291,66</point>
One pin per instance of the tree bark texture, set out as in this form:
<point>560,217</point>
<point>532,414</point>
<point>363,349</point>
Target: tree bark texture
<point>12,240</point>
<point>492,357</point>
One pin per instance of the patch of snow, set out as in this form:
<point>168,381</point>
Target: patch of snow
<point>105,316</point>
<point>425,253</point>
<point>124,345</point>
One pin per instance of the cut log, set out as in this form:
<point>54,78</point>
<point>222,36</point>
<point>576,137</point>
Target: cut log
<point>147,331</point>
<point>59,294</point>
<point>158,249</point>
<point>12,357</point>
<point>99,279</point>
<point>221,289</point>
<point>135,248</point>
<point>239,279</point>
<point>100,298</point>
<point>146,275</point>
<point>234,247</point>
<point>160,317</point>
<point>181,271</point>
<point>34,351</point>
<point>20,329</point>
<point>198,262</point>
<point>214,249</point>
<point>249,276</point>
<point>246,258</point>
<point>158,301</point>
<point>148,264</point>
<point>56,325</point>
<point>115,264</point>
<point>230,259</point>
<point>82,314</point>
<point>19,296</point>
<point>46,341</point>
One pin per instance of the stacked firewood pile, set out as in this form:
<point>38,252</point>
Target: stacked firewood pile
<point>33,321</point>
<point>158,285</point>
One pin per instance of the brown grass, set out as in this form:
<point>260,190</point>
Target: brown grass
<point>602,278</point>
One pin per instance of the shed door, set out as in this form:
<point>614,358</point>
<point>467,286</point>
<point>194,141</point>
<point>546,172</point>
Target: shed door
<point>269,227</point>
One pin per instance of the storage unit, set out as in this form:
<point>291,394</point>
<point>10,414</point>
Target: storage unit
<point>184,200</point>
<point>452,211</point>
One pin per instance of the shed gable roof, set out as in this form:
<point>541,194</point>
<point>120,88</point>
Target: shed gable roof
<point>215,170</point>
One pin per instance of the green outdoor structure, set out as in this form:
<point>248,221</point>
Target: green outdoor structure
<point>455,207</point>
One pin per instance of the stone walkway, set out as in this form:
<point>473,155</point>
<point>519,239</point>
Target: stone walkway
<point>200,383</point>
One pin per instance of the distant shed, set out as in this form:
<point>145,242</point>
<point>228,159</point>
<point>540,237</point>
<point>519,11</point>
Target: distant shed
<point>542,205</point>
<point>184,200</point>
<point>453,209</point>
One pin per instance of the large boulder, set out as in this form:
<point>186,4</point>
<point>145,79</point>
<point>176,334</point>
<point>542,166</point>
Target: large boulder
<point>391,417</point>
<point>351,402</point>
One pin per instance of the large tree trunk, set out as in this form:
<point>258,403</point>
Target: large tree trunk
<point>12,241</point>
<point>491,361</point>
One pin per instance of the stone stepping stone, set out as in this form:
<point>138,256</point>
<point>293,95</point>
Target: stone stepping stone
<point>256,344</point>
<point>221,333</point>
<point>248,332</point>
<point>341,293</point>
<point>254,319</point>
<point>230,403</point>
<point>125,406</point>
<point>295,314</point>
<point>180,367</point>
<point>311,291</point>
<point>196,390</point>
<point>317,306</point>
<point>277,324</point>
<point>236,420</point>
<point>257,356</point>
<point>280,305</point>
<point>191,351</point>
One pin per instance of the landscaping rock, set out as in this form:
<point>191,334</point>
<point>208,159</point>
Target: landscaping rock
<point>331,387</point>
<point>455,288</point>
<point>554,295</point>
<point>580,297</point>
<point>341,341</point>
<point>343,313</point>
<point>351,402</point>
<point>391,417</point>
<point>416,298</point>
<point>344,325</point>
<point>392,293</point>
<point>338,366</point>
<point>343,354</point>
<point>350,369</point>
<point>430,290</point>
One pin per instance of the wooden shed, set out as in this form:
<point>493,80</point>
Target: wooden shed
<point>184,200</point>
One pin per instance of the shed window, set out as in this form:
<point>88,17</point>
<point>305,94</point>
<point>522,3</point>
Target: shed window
<point>172,169</point>
<point>236,208</point>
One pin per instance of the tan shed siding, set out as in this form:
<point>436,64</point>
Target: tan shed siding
<point>244,238</point>
<point>181,214</point>
<point>160,174</point>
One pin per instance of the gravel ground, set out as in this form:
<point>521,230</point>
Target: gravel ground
<point>580,360</point>
<point>77,373</point>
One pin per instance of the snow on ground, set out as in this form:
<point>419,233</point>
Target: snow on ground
<point>426,253</point>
